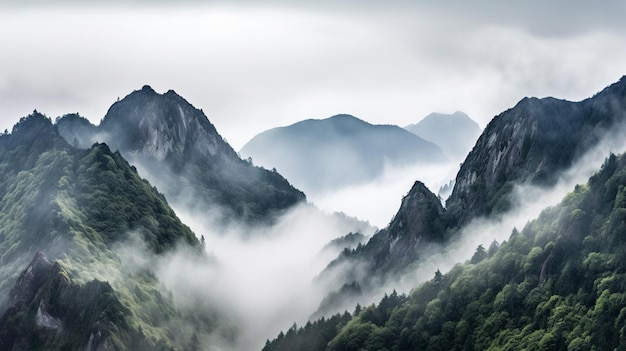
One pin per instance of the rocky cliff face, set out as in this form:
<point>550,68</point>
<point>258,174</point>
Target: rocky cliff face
<point>162,127</point>
<point>30,280</point>
<point>417,223</point>
<point>531,144</point>
<point>46,311</point>
<point>177,148</point>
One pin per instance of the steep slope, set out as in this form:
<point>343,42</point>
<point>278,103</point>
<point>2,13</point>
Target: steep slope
<point>556,285</point>
<point>417,224</point>
<point>415,232</point>
<point>180,151</point>
<point>531,143</point>
<point>91,214</point>
<point>322,155</point>
<point>454,133</point>
<point>48,311</point>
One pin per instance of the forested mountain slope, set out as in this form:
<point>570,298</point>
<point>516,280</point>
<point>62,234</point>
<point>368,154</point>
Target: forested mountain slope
<point>530,144</point>
<point>85,216</point>
<point>556,285</point>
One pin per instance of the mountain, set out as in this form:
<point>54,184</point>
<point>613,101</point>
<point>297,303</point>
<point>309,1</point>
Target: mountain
<point>176,147</point>
<point>323,155</point>
<point>75,225</point>
<point>556,285</point>
<point>532,143</point>
<point>454,133</point>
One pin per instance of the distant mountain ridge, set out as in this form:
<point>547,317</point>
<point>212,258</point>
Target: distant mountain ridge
<point>185,157</point>
<point>322,155</point>
<point>454,133</point>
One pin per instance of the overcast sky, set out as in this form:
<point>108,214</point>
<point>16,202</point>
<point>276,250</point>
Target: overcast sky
<point>256,65</point>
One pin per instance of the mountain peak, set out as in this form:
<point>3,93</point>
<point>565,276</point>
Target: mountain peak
<point>323,155</point>
<point>454,133</point>
<point>165,135</point>
<point>419,211</point>
<point>417,224</point>
<point>35,120</point>
<point>147,89</point>
<point>163,126</point>
<point>31,279</point>
<point>531,143</point>
<point>345,117</point>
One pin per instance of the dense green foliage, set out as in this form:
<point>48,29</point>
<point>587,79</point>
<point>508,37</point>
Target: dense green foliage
<point>529,144</point>
<point>559,284</point>
<point>81,208</point>
<point>313,336</point>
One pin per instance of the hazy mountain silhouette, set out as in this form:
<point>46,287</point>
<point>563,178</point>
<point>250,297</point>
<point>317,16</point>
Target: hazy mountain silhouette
<point>454,133</point>
<point>322,155</point>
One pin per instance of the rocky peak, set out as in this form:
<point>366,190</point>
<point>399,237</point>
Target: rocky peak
<point>418,214</point>
<point>31,279</point>
<point>417,224</point>
<point>531,144</point>
<point>162,126</point>
<point>181,153</point>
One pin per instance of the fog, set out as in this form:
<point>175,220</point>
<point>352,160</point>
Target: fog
<point>379,200</point>
<point>255,66</point>
<point>528,201</point>
<point>261,278</point>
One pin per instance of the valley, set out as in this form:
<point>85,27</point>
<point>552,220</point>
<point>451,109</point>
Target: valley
<point>148,231</point>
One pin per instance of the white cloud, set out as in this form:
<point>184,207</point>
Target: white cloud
<point>252,67</point>
<point>262,277</point>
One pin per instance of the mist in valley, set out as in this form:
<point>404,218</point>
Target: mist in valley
<point>261,279</point>
<point>528,203</point>
<point>378,201</point>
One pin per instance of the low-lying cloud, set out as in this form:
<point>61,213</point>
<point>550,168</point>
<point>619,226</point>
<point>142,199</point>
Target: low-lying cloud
<point>529,202</point>
<point>261,278</point>
<point>378,201</point>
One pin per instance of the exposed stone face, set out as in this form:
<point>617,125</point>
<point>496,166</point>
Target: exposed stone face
<point>48,309</point>
<point>418,220</point>
<point>179,151</point>
<point>148,124</point>
<point>31,279</point>
<point>43,319</point>
<point>531,144</point>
